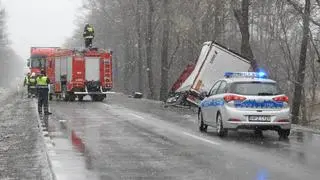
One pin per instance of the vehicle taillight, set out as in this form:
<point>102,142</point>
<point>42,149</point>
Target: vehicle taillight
<point>281,99</point>
<point>229,98</point>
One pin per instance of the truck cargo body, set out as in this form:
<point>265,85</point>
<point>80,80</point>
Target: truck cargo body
<point>77,74</point>
<point>214,60</point>
<point>184,75</point>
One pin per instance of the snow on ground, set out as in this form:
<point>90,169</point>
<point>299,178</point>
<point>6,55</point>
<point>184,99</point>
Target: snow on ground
<point>22,152</point>
<point>2,91</point>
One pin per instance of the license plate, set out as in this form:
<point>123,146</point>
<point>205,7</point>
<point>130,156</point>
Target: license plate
<point>260,118</point>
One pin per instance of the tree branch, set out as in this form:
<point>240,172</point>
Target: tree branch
<point>298,8</point>
<point>318,1</point>
<point>174,52</point>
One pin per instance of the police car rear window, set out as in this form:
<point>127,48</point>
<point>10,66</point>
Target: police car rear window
<point>255,88</point>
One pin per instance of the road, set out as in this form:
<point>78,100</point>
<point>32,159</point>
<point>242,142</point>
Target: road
<point>125,138</point>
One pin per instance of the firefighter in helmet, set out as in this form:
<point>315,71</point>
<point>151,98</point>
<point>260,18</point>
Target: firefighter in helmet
<point>32,84</point>
<point>42,83</point>
<point>88,35</point>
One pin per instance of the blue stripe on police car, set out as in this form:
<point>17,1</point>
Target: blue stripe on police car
<point>255,104</point>
<point>212,102</point>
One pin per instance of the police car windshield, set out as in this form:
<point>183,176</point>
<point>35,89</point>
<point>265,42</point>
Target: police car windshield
<point>255,88</point>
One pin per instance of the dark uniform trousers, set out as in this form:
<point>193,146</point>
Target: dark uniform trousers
<point>43,97</point>
<point>88,42</point>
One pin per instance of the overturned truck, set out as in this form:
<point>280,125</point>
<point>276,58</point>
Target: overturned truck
<point>214,60</point>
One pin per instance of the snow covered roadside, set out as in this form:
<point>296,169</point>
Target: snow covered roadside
<point>3,92</point>
<point>22,151</point>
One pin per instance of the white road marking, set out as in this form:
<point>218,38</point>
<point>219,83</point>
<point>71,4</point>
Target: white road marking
<point>180,132</point>
<point>201,139</point>
<point>137,116</point>
<point>62,121</point>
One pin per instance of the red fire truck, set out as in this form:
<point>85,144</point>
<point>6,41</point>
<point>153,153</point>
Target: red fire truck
<point>77,73</point>
<point>38,56</point>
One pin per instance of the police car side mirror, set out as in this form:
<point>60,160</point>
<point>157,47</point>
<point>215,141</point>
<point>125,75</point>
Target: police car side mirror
<point>204,94</point>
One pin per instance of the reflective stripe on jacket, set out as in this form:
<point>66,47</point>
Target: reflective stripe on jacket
<point>42,82</point>
<point>32,81</point>
<point>26,80</point>
<point>90,29</point>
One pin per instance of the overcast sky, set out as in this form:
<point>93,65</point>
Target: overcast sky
<point>39,22</point>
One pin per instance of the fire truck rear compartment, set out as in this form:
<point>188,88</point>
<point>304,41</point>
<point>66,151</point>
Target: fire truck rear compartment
<point>78,74</point>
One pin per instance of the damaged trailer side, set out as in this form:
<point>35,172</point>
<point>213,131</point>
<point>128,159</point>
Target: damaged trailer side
<point>214,60</point>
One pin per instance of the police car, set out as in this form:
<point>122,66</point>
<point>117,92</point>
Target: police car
<point>245,100</point>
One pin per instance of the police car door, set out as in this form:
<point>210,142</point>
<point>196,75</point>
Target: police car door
<point>208,103</point>
<point>219,101</point>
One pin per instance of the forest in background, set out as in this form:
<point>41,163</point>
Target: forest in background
<point>11,65</point>
<point>154,40</point>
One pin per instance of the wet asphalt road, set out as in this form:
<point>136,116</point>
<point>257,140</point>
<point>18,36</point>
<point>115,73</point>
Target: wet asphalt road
<point>124,138</point>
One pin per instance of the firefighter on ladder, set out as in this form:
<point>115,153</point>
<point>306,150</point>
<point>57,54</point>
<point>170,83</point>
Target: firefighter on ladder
<point>88,35</point>
<point>43,92</point>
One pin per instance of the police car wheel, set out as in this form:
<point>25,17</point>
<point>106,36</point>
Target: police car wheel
<point>202,127</point>
<point>258,132</point>
<point>284,133</point>
<point>219,128</point>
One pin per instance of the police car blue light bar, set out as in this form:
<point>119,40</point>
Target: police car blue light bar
<point>262,75</point>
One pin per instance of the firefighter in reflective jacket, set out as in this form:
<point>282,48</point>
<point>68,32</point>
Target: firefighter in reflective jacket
<point>43,91</point>
<point>88,35</point>
<point>26,79</point>
<point>32,85</point>
<point>26,82</point>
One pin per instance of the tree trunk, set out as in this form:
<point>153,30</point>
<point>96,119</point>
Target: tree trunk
<point>242,17</point>
<point>314,84</point>
<point>304,110</point>
<point>140,60</point>
<point>149,39</point>
<point>205,22</point>
<point>297,97</point>
<point>164,52</point>
<point>126,61</point>
<point>218,20</point>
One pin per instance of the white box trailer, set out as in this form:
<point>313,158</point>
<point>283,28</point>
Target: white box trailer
<point>214,60</point>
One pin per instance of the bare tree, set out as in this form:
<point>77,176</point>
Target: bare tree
<point>140,60</point>
<point>149,40</point>
<point>164,51</point>
<point>242,16</point>
<point>218,20</point>
<point>11,64</point>
<point>302,65</point>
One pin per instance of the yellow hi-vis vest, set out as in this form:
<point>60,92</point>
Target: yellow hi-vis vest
<point>42,81</point>
<point>27,80</point>
<point>32,80</point>
<point>90,29</point>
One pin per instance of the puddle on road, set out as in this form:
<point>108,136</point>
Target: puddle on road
<point>67,154</point>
